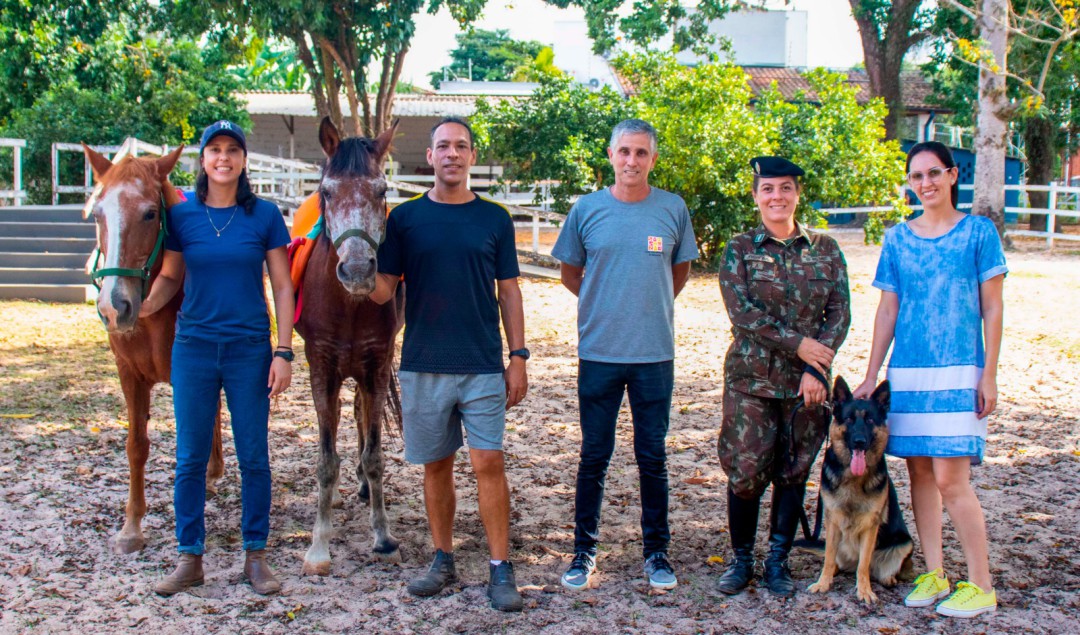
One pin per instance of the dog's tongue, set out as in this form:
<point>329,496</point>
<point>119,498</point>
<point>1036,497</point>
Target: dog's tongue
<point>858,462</point>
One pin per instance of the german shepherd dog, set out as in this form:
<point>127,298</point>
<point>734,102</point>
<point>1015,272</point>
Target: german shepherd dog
<point>864,527</point>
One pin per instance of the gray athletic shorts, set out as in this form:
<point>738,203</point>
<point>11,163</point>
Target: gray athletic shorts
<point>435,407</point>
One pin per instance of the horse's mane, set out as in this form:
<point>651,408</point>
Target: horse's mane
<point>354,157</point>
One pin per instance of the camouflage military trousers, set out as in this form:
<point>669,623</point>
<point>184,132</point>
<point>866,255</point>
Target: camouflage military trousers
<point>755,445</point>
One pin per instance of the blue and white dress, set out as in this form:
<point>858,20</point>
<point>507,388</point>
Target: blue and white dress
<point>938,357</point>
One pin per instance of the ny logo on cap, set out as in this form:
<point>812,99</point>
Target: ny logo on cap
<point>225,125</point>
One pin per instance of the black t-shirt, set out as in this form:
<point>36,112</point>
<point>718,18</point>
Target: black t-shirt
<point>451,256</point>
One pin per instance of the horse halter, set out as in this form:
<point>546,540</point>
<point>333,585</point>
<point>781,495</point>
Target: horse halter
<point>354,232</point>
<point>359,233</point>
<point>123,272</point>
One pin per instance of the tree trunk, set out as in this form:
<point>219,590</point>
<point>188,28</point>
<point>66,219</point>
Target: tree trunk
<point>333,92</point>
<point>308,60</point>
<point>884,48</point>
<point>1041,148</point>
<point>994,112</point>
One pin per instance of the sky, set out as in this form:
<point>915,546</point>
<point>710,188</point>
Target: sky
<point>833,36</point>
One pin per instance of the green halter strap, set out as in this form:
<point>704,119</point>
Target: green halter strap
<point>143,274</point>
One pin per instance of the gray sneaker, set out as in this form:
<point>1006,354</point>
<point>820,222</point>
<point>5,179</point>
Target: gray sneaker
<point>659,572</point>
<point>577,576</point>
<point>437,577</point>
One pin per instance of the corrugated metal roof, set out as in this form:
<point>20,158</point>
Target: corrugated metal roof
<point>405,105</point>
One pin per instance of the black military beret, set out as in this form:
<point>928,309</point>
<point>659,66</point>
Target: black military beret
<point>769,167</point>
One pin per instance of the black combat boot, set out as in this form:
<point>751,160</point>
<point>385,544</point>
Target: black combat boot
<point>742,523</point>
<point>783,522</point>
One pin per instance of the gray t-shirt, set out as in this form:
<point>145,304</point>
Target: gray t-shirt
<point>626,307</point>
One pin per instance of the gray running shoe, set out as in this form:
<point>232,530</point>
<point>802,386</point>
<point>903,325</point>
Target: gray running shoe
<point>503,589</point>
<point>439,574</point>
<point>659,572</point>
<point>581,568</point>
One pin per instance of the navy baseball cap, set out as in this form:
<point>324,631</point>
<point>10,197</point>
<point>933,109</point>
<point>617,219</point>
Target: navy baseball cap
<point>226,128</point>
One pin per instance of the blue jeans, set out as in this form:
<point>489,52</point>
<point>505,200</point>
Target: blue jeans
<point>600,392</point>
<point>200,369</point>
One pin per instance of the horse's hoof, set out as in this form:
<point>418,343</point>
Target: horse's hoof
<point>394,557</point>
<point>211,491</point>
<point>317,568</point>
<point>124,545</point>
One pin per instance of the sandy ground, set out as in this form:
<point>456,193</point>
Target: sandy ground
<point>63,487</point>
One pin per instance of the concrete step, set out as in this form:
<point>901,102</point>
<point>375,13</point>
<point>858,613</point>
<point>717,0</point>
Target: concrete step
<point>47,230</point>
<point>21,260</point>
<point>43,214</point>
<point>46,292</point>
<point>48,245</point>
<point>11,275</point>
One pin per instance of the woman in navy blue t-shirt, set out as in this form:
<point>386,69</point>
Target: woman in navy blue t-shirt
<point>217,243</point>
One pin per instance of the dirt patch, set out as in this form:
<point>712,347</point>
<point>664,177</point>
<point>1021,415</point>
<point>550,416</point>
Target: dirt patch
<point>63,484</point>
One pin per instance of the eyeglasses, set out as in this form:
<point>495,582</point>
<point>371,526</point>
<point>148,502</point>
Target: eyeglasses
<point>933,175</point>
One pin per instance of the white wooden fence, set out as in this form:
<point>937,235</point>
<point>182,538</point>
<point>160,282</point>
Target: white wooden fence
<point>1063,202</point>
<point>16,194</point>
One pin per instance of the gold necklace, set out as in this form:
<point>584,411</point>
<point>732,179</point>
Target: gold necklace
<point>218,231</point>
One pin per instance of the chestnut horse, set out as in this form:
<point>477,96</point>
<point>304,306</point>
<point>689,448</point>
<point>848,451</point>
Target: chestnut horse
<point>130,218</point>
<point>345,333</point>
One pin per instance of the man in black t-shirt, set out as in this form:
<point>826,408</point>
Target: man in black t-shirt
<point>455,250</point>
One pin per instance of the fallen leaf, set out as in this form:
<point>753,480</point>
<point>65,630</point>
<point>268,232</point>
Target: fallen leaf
<point>715,560</point>
<point>696,480</point>
<point>95,430</point>
<point>20,415</point>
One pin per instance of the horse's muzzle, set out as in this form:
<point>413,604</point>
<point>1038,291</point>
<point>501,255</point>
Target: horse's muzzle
<point>357,276</point>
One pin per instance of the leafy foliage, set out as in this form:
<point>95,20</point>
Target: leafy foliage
<point>118,85</point>
<point>559,133</point>
<point>271,66</point>
<point>493,55</point>
<point>709,126</point>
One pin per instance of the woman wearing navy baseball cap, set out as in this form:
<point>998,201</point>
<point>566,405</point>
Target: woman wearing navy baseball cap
<point>217,244</point>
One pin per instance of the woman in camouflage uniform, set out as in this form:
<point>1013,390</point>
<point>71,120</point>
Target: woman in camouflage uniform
<point>786,292</point>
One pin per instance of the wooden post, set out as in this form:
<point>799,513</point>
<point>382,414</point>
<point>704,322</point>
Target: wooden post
<point>55,175</point>
<point>1051,223</point>
<point>17,180</point>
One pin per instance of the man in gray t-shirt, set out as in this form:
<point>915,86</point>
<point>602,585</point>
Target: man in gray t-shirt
<point>626,253</point>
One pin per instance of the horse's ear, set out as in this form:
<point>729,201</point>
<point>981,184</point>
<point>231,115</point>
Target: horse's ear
<point>384,141</point>
<point>98,162</point>
<point>329,137</point>
<point>166,163</point>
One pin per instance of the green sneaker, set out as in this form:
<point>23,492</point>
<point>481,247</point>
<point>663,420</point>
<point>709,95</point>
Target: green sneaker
<point>968,601</point>
<point>929,588</point>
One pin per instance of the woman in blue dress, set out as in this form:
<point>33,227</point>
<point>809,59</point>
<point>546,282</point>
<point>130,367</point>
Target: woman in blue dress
<point>941,278</point>
<point>217,244</point>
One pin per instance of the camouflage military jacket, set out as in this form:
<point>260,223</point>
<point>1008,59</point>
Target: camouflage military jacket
<point>778,292</point>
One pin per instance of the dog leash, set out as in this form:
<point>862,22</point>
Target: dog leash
<point>790,459</point>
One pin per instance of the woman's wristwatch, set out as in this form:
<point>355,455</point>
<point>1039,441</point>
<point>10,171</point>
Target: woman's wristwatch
<point>285,353</point>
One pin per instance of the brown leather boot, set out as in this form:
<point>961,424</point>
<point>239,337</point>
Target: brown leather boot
<point>188,573</point>
<point>259,573</point>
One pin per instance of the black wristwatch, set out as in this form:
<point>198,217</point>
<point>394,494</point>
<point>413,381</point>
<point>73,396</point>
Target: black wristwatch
<point>288,356</point>
<point>523,353</point>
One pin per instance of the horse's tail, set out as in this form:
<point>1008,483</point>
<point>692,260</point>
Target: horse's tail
<point>392,416</point>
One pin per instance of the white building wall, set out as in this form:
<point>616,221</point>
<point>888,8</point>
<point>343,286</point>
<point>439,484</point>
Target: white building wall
<point>761,38</point>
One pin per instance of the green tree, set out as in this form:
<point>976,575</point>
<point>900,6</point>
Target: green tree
<point>1050,121</point>
<point>838,141</point>
<point>159,90</point>
<point>487,56</point>
<point>43,44</point>
<point>709,128</point>
<point>889,29</point>
<point>344,45</point>
<point>270,66</point>
<point>559,133</point>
